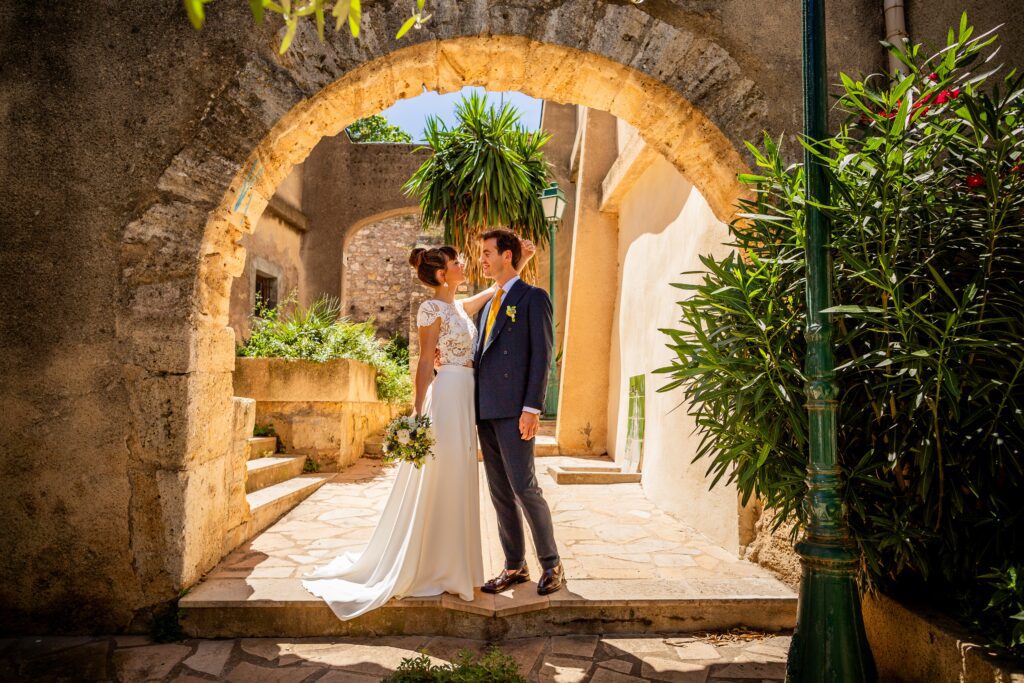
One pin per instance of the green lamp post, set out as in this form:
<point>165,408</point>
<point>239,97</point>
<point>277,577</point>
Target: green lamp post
<point>829,643</point>
<point>552,200</point>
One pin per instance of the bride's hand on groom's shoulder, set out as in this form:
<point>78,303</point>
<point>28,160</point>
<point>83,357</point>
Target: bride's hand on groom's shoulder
<point>528,247</point>
<point>529,250</point>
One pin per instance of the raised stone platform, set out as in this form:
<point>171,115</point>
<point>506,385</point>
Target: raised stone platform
<point>631,569</point>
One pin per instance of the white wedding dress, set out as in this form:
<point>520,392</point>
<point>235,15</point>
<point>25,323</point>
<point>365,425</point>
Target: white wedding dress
<point>427,541</point>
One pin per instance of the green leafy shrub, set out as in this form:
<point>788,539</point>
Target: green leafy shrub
<point>376,128</point>
<point>492,667</point>
<point>264,430</point>
<point>398,349</point>
<point>318,333</point>
<point>927,207</point>
<point>1005,599</point>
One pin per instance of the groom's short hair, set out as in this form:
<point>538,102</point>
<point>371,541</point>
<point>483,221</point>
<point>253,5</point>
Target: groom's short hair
<point>507,241</point>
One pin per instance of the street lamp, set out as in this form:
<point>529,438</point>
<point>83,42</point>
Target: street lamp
<point>829,643</point>
<point>552,200</point>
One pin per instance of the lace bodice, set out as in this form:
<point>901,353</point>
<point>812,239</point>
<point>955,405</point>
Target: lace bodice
<point>458,333</point>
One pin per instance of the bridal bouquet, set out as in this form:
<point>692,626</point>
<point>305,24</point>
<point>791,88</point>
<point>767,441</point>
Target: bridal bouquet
<point>408,439</point>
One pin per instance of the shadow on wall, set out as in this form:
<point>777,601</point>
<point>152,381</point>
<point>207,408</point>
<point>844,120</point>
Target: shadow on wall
<point>665,225</point>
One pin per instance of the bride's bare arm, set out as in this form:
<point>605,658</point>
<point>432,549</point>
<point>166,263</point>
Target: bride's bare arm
<point>473,304</point>
<point>425,367</point>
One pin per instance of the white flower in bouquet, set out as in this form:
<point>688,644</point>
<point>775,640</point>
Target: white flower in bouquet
<point>409,439</point>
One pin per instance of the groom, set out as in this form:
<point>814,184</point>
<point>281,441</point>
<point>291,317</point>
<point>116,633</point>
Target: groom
<point>512,359</point>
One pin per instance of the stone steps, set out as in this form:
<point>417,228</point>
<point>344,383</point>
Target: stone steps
<point>261,446</point>
<point>270,470</point>
<point>271,503</point>
<point>373,447</point>
<point>281,607</point>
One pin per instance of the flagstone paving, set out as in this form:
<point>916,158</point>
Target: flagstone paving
<point>604,532</point>
<point>631,568</point>
<point>730,658</point>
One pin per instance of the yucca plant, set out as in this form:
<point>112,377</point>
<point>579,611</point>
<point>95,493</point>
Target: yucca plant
<point>487,171</point>
<point>927,207</point>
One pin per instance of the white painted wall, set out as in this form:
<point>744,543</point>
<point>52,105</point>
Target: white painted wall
<point>664,226</point>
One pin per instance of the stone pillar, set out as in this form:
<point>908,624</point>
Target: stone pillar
<point>560,121</point>
<point>590,308</point>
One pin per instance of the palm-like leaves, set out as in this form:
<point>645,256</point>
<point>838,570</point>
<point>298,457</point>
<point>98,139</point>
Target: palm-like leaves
<point>485,172</point>
<point>927,210</point>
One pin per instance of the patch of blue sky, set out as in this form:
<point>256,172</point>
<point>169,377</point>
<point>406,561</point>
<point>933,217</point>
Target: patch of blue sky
<point>410,115</point>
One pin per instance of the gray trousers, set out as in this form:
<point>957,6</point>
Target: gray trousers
<point>508,461</point>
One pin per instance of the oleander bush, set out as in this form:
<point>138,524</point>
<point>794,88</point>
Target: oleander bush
<point>927,211</point>
<point>319,333</point>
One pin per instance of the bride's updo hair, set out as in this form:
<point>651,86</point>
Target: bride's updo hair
<point>428,261</point>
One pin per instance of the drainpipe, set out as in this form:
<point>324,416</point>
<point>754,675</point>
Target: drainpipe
<point>895,33</point>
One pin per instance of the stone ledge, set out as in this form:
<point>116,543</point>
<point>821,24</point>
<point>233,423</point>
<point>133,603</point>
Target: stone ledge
<point>915,644</point>
<point>592,475</point>
<point>291,215</point>
<point>631,163</point>
<point>234,607</point>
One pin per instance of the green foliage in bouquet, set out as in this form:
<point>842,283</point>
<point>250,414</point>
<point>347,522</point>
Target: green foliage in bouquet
<point>319,333</point>
<point>927,178</point>
<point>409,439</point>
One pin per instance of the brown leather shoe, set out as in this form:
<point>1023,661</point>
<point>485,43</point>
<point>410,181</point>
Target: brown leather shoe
<point>551,580</point>
<point>506,579</point>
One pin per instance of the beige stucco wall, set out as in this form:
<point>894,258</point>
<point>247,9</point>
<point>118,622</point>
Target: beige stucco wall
<point>582,412</point>
<point>274,248</point>
<point>664,226</point>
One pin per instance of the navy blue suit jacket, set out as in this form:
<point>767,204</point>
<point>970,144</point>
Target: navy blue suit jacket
<point>512,365</point>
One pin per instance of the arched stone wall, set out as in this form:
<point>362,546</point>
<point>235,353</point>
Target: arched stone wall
<point>598,64</point>
<point>348,185</point>
<point>145,148</point>
<point>376,275</point>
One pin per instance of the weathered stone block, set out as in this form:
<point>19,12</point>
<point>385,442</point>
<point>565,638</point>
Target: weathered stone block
<point>332,433</point>
<point>289,379</point>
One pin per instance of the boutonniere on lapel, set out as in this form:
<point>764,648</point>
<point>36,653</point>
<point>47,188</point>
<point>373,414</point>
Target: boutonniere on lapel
<point>510,311</point>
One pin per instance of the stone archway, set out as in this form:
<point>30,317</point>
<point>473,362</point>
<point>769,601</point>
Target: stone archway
<point>682,92</point>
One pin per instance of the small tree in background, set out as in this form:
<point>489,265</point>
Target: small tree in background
<point>376,128</point>
<point>927,208</point>
<point>487,171</point>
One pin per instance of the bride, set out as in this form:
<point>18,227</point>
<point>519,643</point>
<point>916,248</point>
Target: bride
<point>427,541</point>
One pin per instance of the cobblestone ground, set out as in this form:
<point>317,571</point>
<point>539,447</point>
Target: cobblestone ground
<point>729,658</point>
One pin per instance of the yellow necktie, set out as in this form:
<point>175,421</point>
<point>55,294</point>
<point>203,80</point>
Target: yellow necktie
<point>493,313</point>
